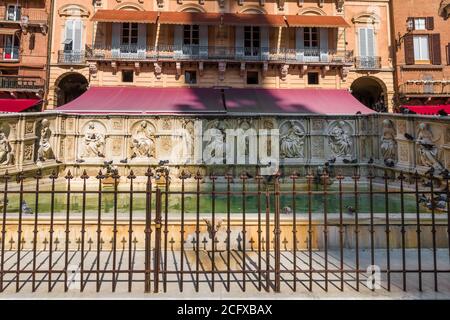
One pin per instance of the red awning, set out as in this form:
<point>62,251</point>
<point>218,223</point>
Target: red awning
<point>125,16</point>
<point>429,110</point>
<point>129,100</point>
<point>132,100</point>
<point>17,105</point>
<point>204,18</point>
<point>316,21</point>
<point>290,101</point>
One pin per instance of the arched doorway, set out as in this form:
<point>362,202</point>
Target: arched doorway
<point>370,92</point>
<point>70,87</point>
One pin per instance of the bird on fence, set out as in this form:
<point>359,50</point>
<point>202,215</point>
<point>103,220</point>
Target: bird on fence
<point>442,113</point>
<point>332,160</point>
<point>370,161</point>
<point>163,162</point>
<point>409,137</point>
<point>107,163</point>
<point>26,208</point>
<point>3,203</point>
<point>124,160</point>
<point>350,209</point>
<point>287,210</point>
<point>389,163</point>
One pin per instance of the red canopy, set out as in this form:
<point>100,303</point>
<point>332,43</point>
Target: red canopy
<point>283,101</point>
<point>146,100</point>
<point>17,105</point>
<point>429,110</point>
<point>126,100</point>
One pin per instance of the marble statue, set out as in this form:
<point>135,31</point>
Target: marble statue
<point>94,142</point>
<point>45,150</point>
<point>187,141</point>
<point>340,140</point>
<point>292,142</point>
<point>388,143</point>
<point>6,154</point>
<point>142,142</point>
<point>428,152</point>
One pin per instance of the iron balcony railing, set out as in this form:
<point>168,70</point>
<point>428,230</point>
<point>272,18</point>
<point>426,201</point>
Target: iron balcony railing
<point>9,54</point>
<point>193,52</point>
<point>71,57</point>
<point>426,88</point>
<point>18,83</point>
<point>368,62</point>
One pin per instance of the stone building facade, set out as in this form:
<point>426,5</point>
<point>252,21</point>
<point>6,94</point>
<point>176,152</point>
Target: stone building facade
<point>23,50</point>
<point>215,43</point>
<point>422,51</point>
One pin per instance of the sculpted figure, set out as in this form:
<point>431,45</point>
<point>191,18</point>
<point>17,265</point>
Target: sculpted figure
<point>94,142</point>
<point>45,150</point>
<point>292,142</point>
<point>6,156</point>
<point>428,152</point>
<point>187,141</point>
<point>340,140</point>
<point>142,144</point>
<point>388,143</point>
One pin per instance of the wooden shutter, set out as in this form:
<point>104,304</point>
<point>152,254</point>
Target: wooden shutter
<point>299,44</point>
<point>239,41</point>
<point>409,49</point>
<point>178,40</point>
<point>142,40</point>
<point>436,49</point>
<point>264,31</point>
<point>448,54</point>
<point>410,23</point>
<point>69,31</point>
<point>370,43</point>
<point>363,42</point>
<point>78,36</point>
<point>203,41</point>
<point>115,41</point>
<point>429,23</point>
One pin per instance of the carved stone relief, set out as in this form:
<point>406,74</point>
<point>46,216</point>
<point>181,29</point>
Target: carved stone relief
<point>6,152</point>
<point>427,148</point>
<point>143,140</point>
<point>340,139</point>
<point>45,150</point>
<point>93,141</point>
<point>292,139</point>
<point>388,144</point>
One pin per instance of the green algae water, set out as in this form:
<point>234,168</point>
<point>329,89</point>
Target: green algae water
<point>204,202</point>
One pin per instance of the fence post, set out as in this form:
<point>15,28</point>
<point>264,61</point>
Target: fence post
<point>277,232</point>
<point>157,240</point>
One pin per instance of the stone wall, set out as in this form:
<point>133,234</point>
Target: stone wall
<point>137,141</point>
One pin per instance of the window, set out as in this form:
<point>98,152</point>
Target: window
<point>313,78</point>
<point>252,77</point>
<point>129,37</point>
<point>311,38</point>
<point>11,47</point>
<point>420,24</point>
<point>366,42</point>
<point>421,49</point>
<point>191,39</point>
<point>190,77</point>
<point>13,12</point>
<point>73,39</point>
<point>251,41</point>
<point>127,75</point>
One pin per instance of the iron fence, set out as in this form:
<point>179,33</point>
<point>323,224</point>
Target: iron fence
<point>276,233</point>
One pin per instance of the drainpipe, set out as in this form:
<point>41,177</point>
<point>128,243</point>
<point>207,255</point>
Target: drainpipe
<point>394,52</point>
<point>49,52</point>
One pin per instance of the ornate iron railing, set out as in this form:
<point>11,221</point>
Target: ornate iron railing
<point>21,83</point>
<point>71,57</point>
<point>426,88</point>
<point>368,62</point>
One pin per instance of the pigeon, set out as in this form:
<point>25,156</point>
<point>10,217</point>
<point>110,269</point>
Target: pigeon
<point>409,137</point>
<point>79,160</point>
<point>442,113</point>
<point>444,173</point>
<point>427,146</point>
<point>351,210</point>
<point>107,163</point>
<point>346,161</point>
<point>389,163</point>
<point>354,161</point>
<point>287,210</point>
<point>407,111</point>
<point>332,160</point>
<point>327,164</point>
<point>427,184</point>
<point>124,160</point>
<point>430,171</point>
<point>163,162</point>
<point>26,208</point>
<point>441,197</point>
<point>359,112</point>
<point>423,198</point>
<point>370,161</point>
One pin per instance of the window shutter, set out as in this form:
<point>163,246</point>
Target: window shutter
<point>410,23</point>
<point>239,41</point>
<point>203,41</point>
<point>436,49</point>
<point>409,49</point>
<point>77,36</point>
<point>370,43</point>
<point>115,41</point>
<point>264,42</point>
<point>69,30</point>
<point>429,23</point>
<point>448,54</point>
<point>178,40</point>
<point>299,44</point>
<point>363,42</point>
<point>142,40</point>
<point>323,38</point>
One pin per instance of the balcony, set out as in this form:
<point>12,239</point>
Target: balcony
<point>71,57</point>
<point>219,53</point>
<point>368,63</point>
<point>425,88</point>
<point>21,83</point>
